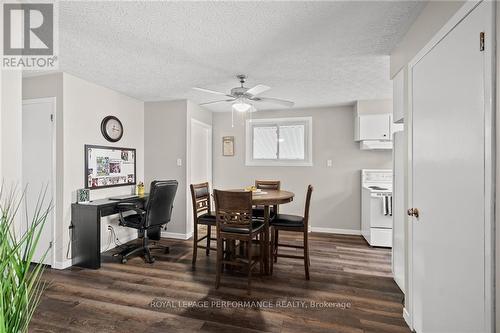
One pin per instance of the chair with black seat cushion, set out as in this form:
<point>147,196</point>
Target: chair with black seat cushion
<point>258,211</point>
<point>236,223</point>
<point>295,223</point>
<point>149,220</point>
<point>202,214</point>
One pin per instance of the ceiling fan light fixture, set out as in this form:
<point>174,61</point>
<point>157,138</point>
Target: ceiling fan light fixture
<point>243,99</point>
<point>241,106</point>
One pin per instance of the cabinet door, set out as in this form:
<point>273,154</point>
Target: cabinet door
<point>375,127</point>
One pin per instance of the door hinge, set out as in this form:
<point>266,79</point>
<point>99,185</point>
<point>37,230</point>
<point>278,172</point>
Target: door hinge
<point>481,41</point>
<point>52,117</point>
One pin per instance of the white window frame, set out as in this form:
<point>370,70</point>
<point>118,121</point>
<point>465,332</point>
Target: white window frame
<point>308,135</point>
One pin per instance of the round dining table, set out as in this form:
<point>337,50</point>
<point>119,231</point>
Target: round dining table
<point>268,198</point>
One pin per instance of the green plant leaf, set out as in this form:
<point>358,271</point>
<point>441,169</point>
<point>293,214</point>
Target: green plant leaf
<point>21,285</point>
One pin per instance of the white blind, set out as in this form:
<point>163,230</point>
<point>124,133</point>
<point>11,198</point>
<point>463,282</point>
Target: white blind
<point>265,142</point>
<point>279,142</point>
<point>291,142</point>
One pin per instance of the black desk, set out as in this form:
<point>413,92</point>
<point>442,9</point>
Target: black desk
<point>86,233</point>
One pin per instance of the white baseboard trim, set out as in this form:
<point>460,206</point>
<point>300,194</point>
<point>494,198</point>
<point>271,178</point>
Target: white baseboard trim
<point>176,235</point>
<point>62,264</point>
<point>335,231</point>
<point>399,283</point>
<point>406,317</point>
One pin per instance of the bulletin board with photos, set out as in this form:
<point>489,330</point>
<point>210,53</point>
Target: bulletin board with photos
<point>109,166</point>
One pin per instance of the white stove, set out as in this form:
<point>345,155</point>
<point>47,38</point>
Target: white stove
<point>376,206</point>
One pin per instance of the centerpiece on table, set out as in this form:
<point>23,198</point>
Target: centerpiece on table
<point>254,190</point>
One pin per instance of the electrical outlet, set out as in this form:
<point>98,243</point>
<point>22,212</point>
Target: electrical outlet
<point>110,228</point>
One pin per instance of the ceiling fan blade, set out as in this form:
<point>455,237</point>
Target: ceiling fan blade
<point>258,89</point>
<point>274,100</point>
<point>211,91</point>
<point>223,100</point>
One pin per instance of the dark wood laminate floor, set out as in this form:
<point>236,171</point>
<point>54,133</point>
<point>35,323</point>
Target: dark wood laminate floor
<point>139,297</point>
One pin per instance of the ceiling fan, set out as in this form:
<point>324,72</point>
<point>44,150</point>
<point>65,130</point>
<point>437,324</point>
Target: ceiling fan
<point>243,98</point>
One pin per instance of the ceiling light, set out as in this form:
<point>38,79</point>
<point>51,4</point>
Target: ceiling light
<point>241,106</point>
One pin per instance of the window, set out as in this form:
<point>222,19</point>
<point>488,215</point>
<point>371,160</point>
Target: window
<point>283,141</point>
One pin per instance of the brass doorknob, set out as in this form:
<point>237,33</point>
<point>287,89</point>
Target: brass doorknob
<point>413,212</point>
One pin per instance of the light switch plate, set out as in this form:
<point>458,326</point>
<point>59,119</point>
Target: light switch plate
<point>329,163</point>
<point>179,162</point>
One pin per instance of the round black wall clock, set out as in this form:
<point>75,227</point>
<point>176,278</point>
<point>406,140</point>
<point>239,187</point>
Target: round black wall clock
<point>112,128</point>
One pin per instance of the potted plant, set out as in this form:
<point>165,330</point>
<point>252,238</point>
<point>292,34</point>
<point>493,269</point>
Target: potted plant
<point>20,280</point>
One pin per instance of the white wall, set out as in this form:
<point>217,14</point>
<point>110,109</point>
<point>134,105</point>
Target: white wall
<point>373,106</point>
<point>434,15</point>
<point>85,105</point>
<point>336,201</point>
<point>11,136</point>
<point>497,175</point>
<point>199,113</point>
<point>11,122</point>
<point>81,106</point>
<point>1,131</point>
<point>167,138</point>
<point>1,114</point>
<point>165,141</point>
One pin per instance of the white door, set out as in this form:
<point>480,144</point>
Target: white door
<point>200,169</point>
<point>201,152</point>
<point>38,168</point>
<point>448,170</point>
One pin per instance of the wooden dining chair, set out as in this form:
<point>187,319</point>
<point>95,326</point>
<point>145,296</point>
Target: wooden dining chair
<point>202,215</point>
<point>258,211</point>
<point>235,223</point>
<point>292,223</point>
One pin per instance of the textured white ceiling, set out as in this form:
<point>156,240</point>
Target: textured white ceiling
<point>313,53</point>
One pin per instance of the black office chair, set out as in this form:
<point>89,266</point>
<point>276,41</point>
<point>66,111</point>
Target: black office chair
<point>148,221</point>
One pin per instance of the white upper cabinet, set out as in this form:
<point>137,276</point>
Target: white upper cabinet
<point>373,127</point>
<point>399,96</point>
<point>373,124</point>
